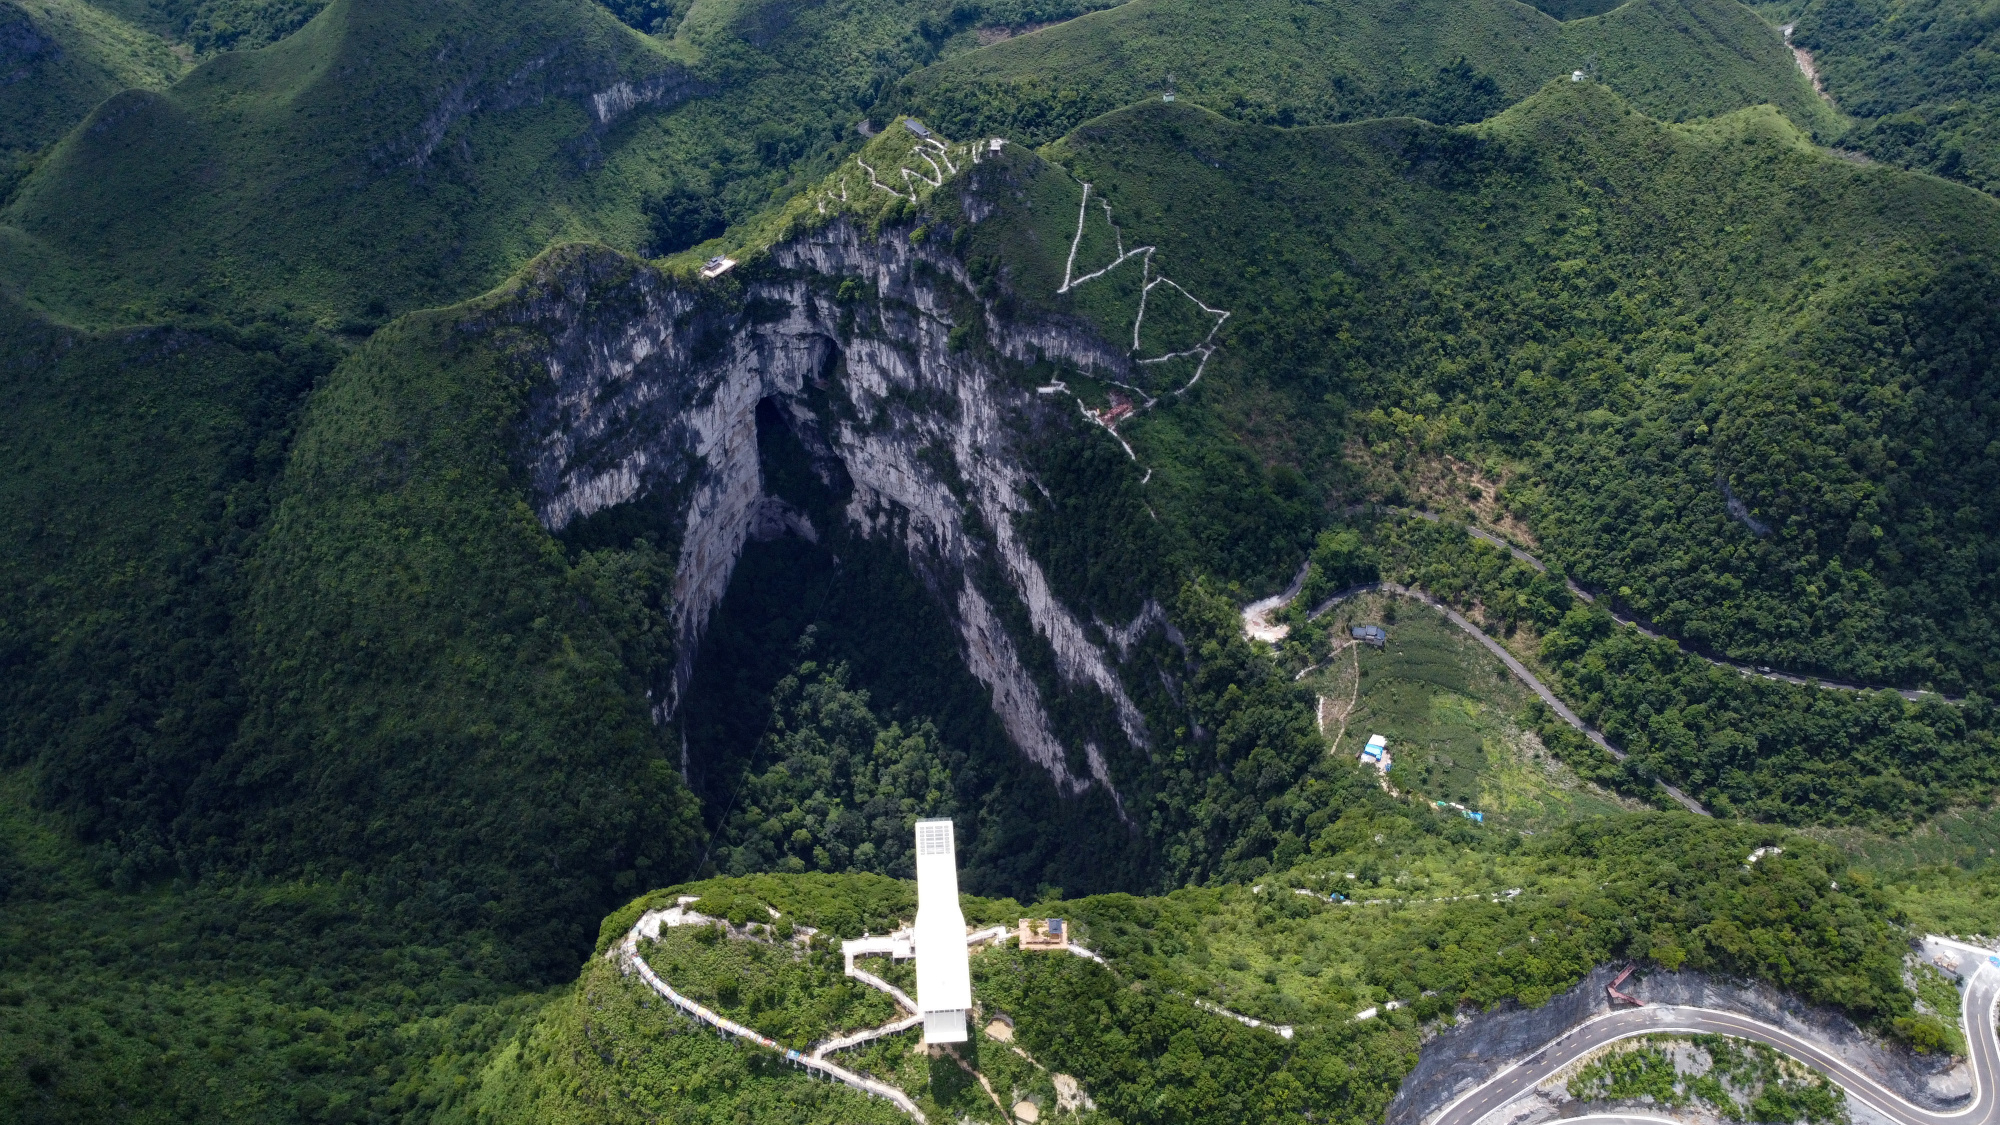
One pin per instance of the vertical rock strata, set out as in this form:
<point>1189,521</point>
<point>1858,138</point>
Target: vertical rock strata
<point>653,392</point>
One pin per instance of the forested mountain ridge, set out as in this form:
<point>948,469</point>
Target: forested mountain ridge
<point>411,555</point>
<point>62,58</point>
<point>467,137</point>
<point>1652,233</point>
<point>1292,62</point>
<point>1917,78</point>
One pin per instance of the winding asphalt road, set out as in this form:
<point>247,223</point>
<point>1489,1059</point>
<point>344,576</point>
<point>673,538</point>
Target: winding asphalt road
<point>1980,992</point>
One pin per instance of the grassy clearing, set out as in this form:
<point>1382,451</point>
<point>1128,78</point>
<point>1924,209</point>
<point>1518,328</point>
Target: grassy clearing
<point>1454,717</point>
<point>1966,837</point>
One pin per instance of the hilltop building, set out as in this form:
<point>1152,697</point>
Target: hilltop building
<point>1043,933</point>
<point>1376,753</point>
<point>944,974</point>
<point>1370,635</point>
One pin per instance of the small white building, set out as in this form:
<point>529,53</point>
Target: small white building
<point>944,974</point>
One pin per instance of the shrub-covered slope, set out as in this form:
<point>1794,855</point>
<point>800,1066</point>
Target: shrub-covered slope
<point>390,156</point>
<point>202,28</point>
<point>1722,359</point>
<point>1290,62</point>
<point>1468,920</point>
<point>1918,76</point>
<point>58,58</point>
<point>270,1002</point>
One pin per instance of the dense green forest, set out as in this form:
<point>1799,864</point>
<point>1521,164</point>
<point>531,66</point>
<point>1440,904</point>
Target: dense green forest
<point>1917,77</point>
<point>1292,62</point>
<point>1664,888</point>
<point>322,757</point>
<point>226,999</point>
<point>1711,405</point>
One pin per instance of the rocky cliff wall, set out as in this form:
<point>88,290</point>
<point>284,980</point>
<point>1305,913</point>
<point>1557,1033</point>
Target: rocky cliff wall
<point>653,388</point>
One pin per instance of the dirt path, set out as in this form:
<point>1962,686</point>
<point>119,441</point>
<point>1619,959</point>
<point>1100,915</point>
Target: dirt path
<point>1760,672</point>
<point>626,953</point>
<point>1342,713</point>
<point>1507,658</point>
<point>1257,615</point>
<point>1805,60</point>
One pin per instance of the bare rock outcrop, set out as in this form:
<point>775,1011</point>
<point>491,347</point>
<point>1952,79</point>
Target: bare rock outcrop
<point>652,391</point>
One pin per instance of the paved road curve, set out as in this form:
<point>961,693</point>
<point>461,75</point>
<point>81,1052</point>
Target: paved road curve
<point>1532,1071</point>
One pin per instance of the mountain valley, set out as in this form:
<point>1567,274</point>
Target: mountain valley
<point>481,476</point>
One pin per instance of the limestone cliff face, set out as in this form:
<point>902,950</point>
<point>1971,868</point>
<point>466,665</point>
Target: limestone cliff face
<point>653,392</point>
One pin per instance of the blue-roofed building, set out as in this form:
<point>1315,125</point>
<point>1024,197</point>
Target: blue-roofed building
<point>1043,933</point>
<point>1370,635</point>
<point>1376,753</point>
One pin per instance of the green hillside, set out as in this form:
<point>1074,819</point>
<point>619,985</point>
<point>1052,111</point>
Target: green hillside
<point>1620,321</point>
<point>281,1001</point>
<point>1457,923</point>
<point>139,469</point>
<point>58,59</point>
<point>322,757</point>
<point>1617,310</point>
<point>1918,77</point>
<point>390,156</point>
<point>1288,62</point>
<point>201,28</point>
<point>280,174</point>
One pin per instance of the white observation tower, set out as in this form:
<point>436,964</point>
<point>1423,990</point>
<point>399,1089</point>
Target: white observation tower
<point>944,977</point>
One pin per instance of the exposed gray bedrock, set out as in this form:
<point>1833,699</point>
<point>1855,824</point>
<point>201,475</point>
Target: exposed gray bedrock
<point>653,392</point>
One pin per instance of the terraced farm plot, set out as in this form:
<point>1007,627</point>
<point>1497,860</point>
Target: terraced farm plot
<point>1453,718</point>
